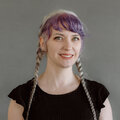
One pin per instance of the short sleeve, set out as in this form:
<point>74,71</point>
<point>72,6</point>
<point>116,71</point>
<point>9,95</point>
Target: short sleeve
<point>103,93</point>
<point>18,94</point>
<point>98,92</point>
<point>21,93</point>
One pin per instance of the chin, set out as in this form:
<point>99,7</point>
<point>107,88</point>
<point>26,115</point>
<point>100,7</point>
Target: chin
<point>66,65</point>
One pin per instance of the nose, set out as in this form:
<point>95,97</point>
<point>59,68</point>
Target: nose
<point>68,45</point>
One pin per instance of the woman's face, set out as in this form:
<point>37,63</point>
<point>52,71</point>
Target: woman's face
<point>63,48</point>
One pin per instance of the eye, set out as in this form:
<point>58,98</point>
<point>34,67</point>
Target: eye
<point>58,38</point>
<point>76,38</point>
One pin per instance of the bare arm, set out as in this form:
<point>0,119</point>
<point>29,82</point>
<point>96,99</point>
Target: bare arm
<point>15,111</point>
<point>106,112</point>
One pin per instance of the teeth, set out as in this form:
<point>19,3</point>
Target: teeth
<point>67,55</point>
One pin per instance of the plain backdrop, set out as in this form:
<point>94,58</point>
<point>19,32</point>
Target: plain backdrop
<point>19,26</point>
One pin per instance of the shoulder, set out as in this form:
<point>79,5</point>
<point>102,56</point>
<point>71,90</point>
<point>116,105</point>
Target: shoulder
<point>28,83</point>
<point>95,85</point>
<point>93,82</point>
<point>25,86</point>
<point>98,92</point>
<point>21,93</point>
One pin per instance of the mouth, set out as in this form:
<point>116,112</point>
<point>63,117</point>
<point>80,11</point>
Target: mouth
<point>66,56</point>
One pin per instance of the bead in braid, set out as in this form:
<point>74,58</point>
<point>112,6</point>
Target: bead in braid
<point>39,56</point>
<point>79,67</point>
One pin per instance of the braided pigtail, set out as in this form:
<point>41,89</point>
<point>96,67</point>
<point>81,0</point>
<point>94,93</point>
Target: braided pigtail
<point>39,56</point>
<point>79,67</point>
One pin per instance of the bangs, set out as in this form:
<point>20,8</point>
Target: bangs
<point>63,21</point>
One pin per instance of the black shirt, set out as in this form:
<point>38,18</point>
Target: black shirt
<point>69,106</point>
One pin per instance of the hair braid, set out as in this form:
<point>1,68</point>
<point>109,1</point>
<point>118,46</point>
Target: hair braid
<point>80,70</point>
<point>39,56</point>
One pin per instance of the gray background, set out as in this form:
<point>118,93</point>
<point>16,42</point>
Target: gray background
<point>19,24</point>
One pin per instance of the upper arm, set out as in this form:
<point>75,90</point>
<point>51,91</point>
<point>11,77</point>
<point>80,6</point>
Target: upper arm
<point>106,112</point>
<point>15,111</point>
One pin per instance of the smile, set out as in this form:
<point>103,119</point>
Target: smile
<point>66,56</point>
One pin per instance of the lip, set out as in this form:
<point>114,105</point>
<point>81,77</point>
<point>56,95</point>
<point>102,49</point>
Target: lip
<point>66,58</point>
<point>66,54</point>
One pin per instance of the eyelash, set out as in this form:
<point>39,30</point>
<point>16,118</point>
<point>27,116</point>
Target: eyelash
<point>77,38</point>
<point>59,38</point>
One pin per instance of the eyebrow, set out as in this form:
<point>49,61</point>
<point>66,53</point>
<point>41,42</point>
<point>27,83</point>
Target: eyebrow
<point>59,34</point>
<point>63,34</point>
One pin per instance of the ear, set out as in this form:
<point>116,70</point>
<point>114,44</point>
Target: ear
<point>42,44</point>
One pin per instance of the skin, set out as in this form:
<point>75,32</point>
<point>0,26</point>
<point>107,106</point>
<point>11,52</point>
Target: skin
<point>58,68</point>
<point>51,81</point>
<point>106,112</point>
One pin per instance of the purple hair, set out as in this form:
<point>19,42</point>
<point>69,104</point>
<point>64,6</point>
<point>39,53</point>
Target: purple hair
<point>69,22</point>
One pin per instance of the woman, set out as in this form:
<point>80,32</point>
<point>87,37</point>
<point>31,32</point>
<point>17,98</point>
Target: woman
<point>59,94</point>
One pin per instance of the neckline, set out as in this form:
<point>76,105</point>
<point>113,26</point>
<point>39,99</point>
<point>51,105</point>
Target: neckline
<point>57,95</point>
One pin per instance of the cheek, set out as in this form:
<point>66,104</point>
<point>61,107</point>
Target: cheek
<point>78,47</point>
<point>52,49</point>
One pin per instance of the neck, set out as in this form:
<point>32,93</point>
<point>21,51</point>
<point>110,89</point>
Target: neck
<point>58,76</point>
